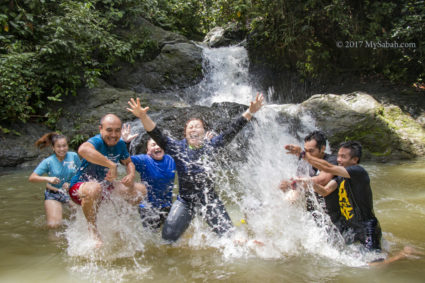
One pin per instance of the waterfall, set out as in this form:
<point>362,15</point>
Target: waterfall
<point>226,76</point>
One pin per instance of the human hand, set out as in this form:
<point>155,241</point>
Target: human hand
<point>126,133</point>
<point>209,135</point>
<point>293,149</point>
<point>285,185</point>
<point>53,180</point>
<point>136,108</point>
<point>128,180</point>
<point>257,104</point>
<point>65,186</point>
<point>112,173</point>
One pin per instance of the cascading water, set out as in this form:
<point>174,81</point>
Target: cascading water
<point>251,192</point>
<point>226,77</point>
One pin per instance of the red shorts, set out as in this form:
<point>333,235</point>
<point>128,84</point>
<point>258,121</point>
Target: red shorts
<point>73,192</point>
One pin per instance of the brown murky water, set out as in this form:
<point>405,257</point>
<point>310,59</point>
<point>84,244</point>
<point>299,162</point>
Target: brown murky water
<point>31,253</point>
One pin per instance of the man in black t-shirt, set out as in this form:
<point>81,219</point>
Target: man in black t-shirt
<point>357,221</point>
<point>315,145</point>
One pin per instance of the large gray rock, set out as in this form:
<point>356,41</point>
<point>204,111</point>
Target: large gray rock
<point>178,66</point>
<point>175,64</point>
<point>385,131</point>
<point>19,150</point>
<point>230,34</point>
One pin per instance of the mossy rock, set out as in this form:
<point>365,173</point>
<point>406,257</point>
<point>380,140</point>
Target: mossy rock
<point>385,131</point>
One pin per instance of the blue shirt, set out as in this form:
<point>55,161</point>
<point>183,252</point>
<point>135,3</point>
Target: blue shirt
<point>159,175</point>
<point>93,172</point>
<point>64,170</point>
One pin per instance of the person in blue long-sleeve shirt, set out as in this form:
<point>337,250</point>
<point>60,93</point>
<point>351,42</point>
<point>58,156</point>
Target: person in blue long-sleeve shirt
<point>157,171</point>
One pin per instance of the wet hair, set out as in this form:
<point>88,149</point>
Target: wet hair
<point>48,139</point>
<point>319,137</point>
<point>147,142</point>
<point>193,119</point>
<point>355,148</point>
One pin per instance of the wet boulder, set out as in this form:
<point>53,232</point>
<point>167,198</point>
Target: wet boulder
<point>385,131</point>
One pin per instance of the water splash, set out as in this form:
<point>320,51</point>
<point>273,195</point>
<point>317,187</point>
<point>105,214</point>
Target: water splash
<point>119,227</point>
<point>248,188</point>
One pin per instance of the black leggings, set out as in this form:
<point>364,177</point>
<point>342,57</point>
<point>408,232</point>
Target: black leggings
<point>182,212</point>
<point>153,217</point>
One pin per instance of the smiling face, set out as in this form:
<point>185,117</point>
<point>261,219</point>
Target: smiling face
<point>154,150</point>
<point>311,147</point>
<point>60,148</point>
<point>345,159</point>
<point>110,129</point>
<point>195,133</point>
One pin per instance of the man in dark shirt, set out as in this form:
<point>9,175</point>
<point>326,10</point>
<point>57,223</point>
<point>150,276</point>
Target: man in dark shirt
<point>357,221</point>
<point>315,144</point>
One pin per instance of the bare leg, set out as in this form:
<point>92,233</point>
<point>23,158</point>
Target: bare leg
<point>404,253</point>
<point>133,195</point>
<point>53,213</point>
<point>90,194</point>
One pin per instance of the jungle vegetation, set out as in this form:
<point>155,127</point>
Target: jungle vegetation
<point>49,49</point>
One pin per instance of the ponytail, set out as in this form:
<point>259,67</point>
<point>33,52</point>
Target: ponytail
<point>48,139</point>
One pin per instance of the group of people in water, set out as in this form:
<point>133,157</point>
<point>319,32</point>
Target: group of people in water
<point>340,184</point>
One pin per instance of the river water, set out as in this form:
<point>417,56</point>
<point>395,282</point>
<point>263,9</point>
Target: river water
<point>295,248</point>
<point>31,253</point>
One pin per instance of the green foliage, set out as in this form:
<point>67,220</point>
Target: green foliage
<point>49,49</point>
<point>19,84</point>
<point>77,140</point>
<point>303,36</point>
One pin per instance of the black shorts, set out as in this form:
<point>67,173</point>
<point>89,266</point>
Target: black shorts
<point>368,233</point>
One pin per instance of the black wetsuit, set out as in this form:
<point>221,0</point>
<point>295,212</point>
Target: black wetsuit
<point>357,221</point>
<point>195,169</point>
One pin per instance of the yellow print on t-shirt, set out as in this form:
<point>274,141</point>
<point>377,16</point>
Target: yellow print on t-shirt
<point>344,202</point>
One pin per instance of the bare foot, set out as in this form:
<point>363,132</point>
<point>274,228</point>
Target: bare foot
<point>407,251</point>
<point>98,243</point>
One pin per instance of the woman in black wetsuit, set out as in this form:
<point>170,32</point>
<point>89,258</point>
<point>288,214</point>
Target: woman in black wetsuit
<point>194,163</point>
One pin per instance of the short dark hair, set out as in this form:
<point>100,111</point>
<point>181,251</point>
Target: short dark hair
<point>318,136</point>
<point>355,148</point>
<point>193,119</point>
